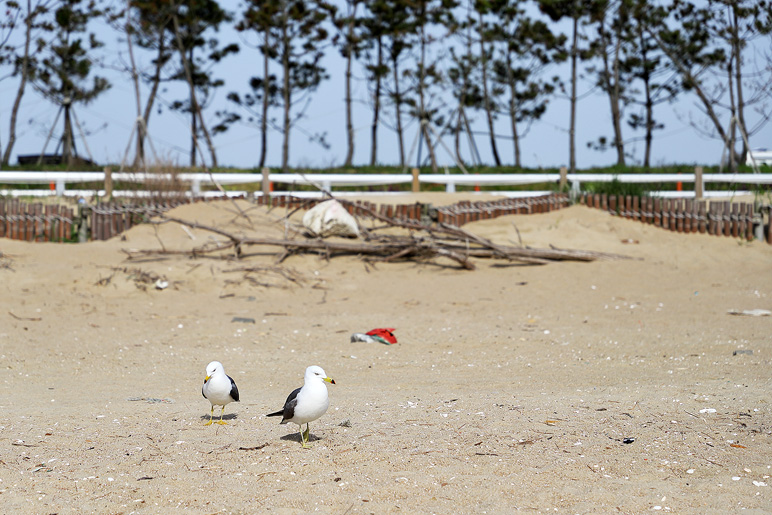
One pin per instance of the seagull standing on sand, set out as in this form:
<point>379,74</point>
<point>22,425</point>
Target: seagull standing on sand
<point>219,389</point>
<point>308,403</point>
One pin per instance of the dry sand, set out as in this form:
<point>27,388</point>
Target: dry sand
<point>603,387</point>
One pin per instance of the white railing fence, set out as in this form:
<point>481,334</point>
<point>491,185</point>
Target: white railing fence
<point>196,182</point>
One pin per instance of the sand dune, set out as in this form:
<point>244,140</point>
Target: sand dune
<point>612,386</point>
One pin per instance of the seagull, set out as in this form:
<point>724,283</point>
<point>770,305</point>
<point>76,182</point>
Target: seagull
<point>219,389</point>
<point>308,403</point>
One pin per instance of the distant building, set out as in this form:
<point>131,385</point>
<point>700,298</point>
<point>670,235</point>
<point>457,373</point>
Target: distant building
<point>762,156</point>
<point>51,159</point>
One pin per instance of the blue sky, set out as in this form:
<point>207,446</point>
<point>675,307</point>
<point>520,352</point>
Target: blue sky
<point>110,118</point>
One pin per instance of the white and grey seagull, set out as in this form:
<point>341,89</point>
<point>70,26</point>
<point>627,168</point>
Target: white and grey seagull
<point>307,403</point>
<point>219,389</point>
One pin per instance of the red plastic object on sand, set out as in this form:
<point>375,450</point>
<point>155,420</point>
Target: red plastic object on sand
<point>380,335</point>
<point>384,334</point>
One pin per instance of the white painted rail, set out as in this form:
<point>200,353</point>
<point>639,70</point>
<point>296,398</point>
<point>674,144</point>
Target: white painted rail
<point>58,180</point>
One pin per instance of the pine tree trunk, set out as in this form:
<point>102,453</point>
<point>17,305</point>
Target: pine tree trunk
<point>473,146</point>
<point>610,83</point>
<point>463,97</point>
<point>22,86</point>
<point>572,122</point>
<point>207,137</point>
<point>486,97</point>
<point>139,127</point>
<point>648,102</point>
<point>515,135</point>
<point>616,111</point>
<point>398,109</point>
<point>153,93</point>
<point>67,143</point>
<point>732,132</point>
<point>376,108</point>
<point>286,96</point>
<point>266,87</point>
<point>649,126</point>
<point>349,123</point>
<point>193,119</point>
<point>457,136</point>
<point>513,109</point>
<point>197,113</point>
<point>423,117</point>
<point>193,132</point>
<point>736,44</point>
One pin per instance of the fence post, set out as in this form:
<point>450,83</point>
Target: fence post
<point>266,183</point>
<point>563,178</point>
<point>699,189</point>
<point>758,225</point>
<point>769,224</point>
<point>108,182</point>
<point>416,183</point>
<point>83,227</point>
<point>59,187</point>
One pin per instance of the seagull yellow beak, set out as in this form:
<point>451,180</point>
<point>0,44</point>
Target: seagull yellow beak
<point>330,380</point>
<point>207,378</point>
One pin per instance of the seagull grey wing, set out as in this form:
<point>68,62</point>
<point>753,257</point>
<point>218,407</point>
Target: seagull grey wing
<point>234,390</point>
<point>289,405</point>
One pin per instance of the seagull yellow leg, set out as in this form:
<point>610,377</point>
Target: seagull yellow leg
<point>211,416</point>
<point>222,422</point>
<point>304,436</point>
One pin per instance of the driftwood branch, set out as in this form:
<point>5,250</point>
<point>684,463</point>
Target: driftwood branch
<point>424,242</point>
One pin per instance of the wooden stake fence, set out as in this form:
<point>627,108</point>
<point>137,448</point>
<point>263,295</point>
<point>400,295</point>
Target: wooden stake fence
<point>39,222</point>
<point>35,222</point>
<point>466,211</point>
<point>111,219</point>
<point>720,218</point>
<point>103,221</point>
<point>456,214</point>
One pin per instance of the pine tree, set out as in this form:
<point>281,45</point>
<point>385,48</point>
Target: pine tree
<point>644,63</point>
<point>258,20</point>
<point>429,18</point>
<point>375,28</point>
<point>64,75</point>
<point>525,48</point>
<point>349,40</point>
<point>580,12</point>
<point>191,22</point>
<point>300,34</point>
<point>150,25</point>
<point>22,59</point>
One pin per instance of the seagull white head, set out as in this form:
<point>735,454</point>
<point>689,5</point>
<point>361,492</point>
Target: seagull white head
<point>213,368</point>
<point>315,373</point>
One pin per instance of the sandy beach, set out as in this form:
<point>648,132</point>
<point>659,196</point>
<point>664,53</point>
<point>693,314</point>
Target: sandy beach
<point>614,386</point>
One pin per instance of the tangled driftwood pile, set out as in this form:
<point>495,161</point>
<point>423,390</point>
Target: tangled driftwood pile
<point>413,240</point>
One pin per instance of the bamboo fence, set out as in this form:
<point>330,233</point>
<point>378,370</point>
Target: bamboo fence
<point>112,218</point>
<point>36,221</point>
<point>39,222</point>
<point>464,212</point>
<point>718,218</point>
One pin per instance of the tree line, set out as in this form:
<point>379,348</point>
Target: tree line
<point>440,64</point>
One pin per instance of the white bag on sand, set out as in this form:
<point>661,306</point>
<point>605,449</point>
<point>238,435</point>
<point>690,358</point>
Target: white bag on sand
<point>330,218</point>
